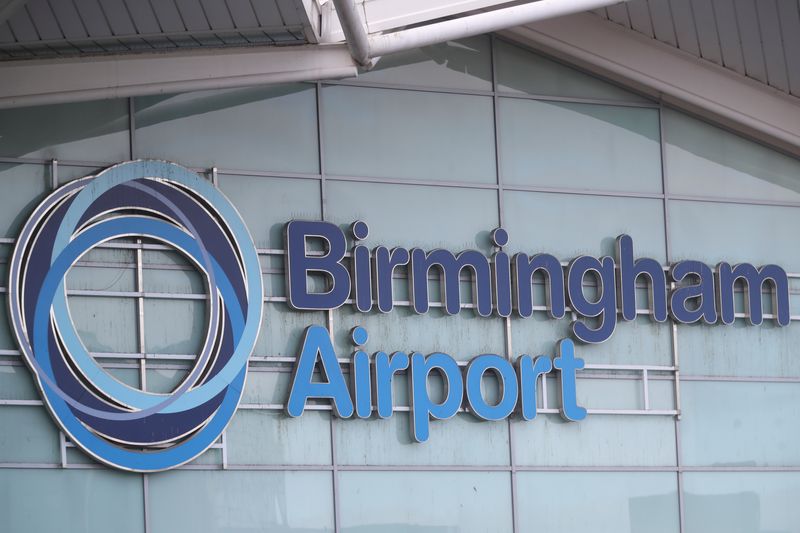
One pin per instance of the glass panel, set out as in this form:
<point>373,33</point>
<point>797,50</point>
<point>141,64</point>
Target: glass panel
<point>415,215</point>
<point>388,442</point>
<point>713,232</point>
<point>407,134</point>
<point>165,379</point>
<point>583,146</point>
<point>27,435</point>
<point>97,500</point>
<point>16,383</point>
<point>522,71</point>
<point>174,326</point>
<point>105,324</point>
<point>640,342</point>
<point>741,502</point>
<point>463,336</point>
<point>462,64</point>
<point>215,502</point>
<point>630,502</point>
<point>740,424</point>
<point>267,204</point>
<point>282,330</point>
<point>740,349</point>
<point>273,128</point>
<point>84,131</point>
<point>266,388</point>
<point>703,160</point>
<point>92,278</point>
<point>259,437</point>
<point>546,222</point>
<point>24,186</point>
<point>7,339</point>
<point>425,501</point>
<point>617,440</point>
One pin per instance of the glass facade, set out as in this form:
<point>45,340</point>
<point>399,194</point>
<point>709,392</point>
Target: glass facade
<point>691,428</point>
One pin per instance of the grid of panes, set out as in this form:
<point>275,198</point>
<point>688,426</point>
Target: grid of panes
<point>433,149</point>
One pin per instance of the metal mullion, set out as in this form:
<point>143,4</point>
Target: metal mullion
<point>673,327</point>
<point>329,312</point>
<point>576,100</point>
<point>363,84</point>
<point>507,320</point>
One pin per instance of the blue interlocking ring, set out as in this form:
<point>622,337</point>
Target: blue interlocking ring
<point>117,424</point>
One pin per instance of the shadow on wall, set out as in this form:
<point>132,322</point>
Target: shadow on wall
<point>26,130</point>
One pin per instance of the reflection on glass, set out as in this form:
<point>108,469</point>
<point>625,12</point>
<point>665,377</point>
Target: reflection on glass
<point>462,64</point>
<point>713,232</point>
<point>272,128</point>
<point>740,424</point>
<point>741,502</point>
<point>90,501</point>
<point>406,134</point>
<point>425,501</point>
<point>579,146</point>
<point>226,501</point>
<point>585,224</point>
<point>608,502</point>
<point>704,160</point>
<point>24,186</point>
<point>388,442</point>
<point>83,131</point>
<point>522,71</point>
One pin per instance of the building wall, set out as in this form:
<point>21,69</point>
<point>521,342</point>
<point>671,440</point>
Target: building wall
<point>435,148</point>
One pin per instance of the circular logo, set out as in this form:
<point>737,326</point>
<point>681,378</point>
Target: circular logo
<point>117,424</point>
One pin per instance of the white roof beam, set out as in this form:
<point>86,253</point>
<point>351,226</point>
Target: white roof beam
<point>670,75</point>
<point>366,47</point>
<point>30,82</point>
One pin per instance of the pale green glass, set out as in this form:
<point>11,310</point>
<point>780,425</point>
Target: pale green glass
<point>727,350</point>
<point>24,187</point>
<point>740,424</point>
<point>105,324</point>
<point>101,278</point>
<point>583,146</point>
<point>741,502</point>
<point>462,64</point>
<point>91,501</point>
<point>282,330</point>
<point>262,128</point>
<point>174,326</point>
<point>27,435</point>
<point>267,204</point>
<point>425,501</point>
<point>704,160</point>
<point>430,136</point>
<point>522,71</point>
<point>388,442</point>
<point>639,342</point>
<point>415,216</point>
<point>713,232</point>
<point>569,225</point>
<point>600,502</point>
<point>463,336</point>
<point>84,131</point>
<point>226,501</point>
<point>267,437</point>
<point>16,383</point>
<point>641,440</point>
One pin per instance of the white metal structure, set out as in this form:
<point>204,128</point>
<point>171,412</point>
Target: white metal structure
<point>736,62</point>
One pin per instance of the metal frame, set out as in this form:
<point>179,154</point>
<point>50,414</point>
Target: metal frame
<point>270,363</point>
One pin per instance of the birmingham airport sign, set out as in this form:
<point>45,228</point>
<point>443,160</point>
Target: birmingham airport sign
<point>141,431</point>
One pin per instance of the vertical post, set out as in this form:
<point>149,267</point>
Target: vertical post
<point>507,320</point>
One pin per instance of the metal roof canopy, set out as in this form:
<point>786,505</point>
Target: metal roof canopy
<point>733,61</point>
